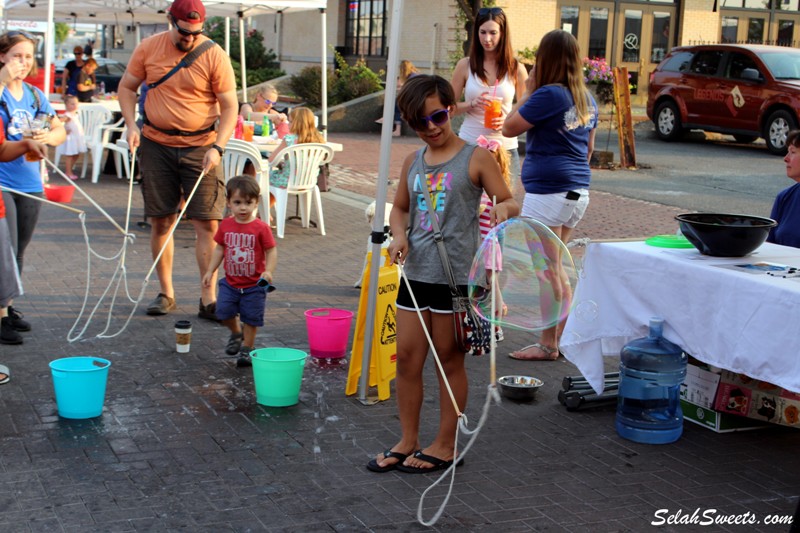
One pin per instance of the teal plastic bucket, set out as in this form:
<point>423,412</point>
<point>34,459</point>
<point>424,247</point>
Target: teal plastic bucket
<point>278,373</point>
<point>80,385</point>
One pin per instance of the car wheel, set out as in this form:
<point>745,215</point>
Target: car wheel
<point>745,139</point>
<point>668,121</point>
<point>778,125</point>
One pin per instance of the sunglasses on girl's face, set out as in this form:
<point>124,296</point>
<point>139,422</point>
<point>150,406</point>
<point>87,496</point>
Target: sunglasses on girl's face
<point>268,101</point>
<point>438,118</point>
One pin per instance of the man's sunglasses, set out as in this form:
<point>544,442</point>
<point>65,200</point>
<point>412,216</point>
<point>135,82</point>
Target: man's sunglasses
<point>482,12</point>
<point>188,33</point>
<point>438,118</point>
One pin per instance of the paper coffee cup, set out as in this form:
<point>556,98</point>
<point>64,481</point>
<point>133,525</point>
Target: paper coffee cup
<point>183,336</point>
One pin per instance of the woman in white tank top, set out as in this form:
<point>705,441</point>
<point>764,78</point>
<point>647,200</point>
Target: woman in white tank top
<point>489,70</point>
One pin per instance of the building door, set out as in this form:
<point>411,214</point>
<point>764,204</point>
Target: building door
<point>643,37</point>
<point>591,24</point>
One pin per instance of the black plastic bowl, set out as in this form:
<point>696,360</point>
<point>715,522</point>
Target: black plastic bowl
<point>725,235</point>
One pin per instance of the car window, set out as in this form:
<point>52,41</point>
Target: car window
<point>679,62</point>
<point>115,69</point>
<point>102,70</point>
<point>783,66</point>
<point>737,63</point>
<point>706,62</point>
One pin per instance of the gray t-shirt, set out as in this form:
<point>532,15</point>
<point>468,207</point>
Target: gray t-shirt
<point>455,200</point>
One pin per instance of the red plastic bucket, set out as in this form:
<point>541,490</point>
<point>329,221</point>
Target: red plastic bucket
<point>328,331</point>
<point>59,193</point>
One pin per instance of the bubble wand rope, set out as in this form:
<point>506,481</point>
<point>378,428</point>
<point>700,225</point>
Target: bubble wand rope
<point>91,200</point>
<point>158,257</point>
<point>43,200</point>
<point>492,394</point>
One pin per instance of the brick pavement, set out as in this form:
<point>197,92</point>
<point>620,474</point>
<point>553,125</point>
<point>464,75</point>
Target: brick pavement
<point>182,445</point>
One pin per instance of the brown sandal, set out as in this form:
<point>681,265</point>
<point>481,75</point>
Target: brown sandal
<point>549,354</point>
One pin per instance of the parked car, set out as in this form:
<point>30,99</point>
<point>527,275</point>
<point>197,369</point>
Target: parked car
<point>748,91</point>
<point>109,71</point>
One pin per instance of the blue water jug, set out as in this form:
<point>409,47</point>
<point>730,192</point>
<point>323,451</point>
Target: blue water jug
<point>651,371</point>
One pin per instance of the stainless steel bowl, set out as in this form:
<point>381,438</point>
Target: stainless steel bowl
<point>520,388</point>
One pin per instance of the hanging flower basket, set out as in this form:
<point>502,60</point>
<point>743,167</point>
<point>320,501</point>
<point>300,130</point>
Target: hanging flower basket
<point>599,78</point>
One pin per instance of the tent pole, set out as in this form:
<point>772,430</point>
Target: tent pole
<point>380,201</point>
<point>48,42</point>
<point>228,36</point>
<point>242,62</point>
<point>324,80</point>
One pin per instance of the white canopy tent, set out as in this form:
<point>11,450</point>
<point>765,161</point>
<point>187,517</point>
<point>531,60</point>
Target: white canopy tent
<point>113,12</point>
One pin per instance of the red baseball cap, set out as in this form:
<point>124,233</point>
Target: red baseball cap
<point>180,10</point>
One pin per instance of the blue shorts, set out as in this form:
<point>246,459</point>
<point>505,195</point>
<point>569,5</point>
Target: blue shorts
<point>248,303</point>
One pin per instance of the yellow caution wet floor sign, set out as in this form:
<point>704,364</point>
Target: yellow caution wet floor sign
<point>383,356</point>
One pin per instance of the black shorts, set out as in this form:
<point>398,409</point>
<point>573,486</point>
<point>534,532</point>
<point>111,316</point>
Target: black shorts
<point>430,296</point>
<point>169,173</point>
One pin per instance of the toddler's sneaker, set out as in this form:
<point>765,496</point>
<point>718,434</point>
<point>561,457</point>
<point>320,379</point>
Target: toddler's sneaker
<point>244,357</point>
<point>234,344</point>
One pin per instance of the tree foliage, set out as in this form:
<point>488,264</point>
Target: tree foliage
<point>262,64</point>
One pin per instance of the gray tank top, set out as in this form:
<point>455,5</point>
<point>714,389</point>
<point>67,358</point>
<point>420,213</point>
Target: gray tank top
<point>455,200</point>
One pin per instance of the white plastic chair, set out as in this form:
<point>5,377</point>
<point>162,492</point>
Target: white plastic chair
<point>304,161</point>
<point>93,117</point>
<point>122,155</point>
<point>237,154</point>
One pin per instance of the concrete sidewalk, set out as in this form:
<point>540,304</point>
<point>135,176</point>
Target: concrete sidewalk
<point>183,445</point>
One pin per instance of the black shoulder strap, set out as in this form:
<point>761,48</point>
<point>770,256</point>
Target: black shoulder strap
<point>187,61</point>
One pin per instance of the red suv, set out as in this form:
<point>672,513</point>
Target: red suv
<point>747,91</point>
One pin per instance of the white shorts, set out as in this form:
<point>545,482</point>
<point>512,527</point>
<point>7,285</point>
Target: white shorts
<point>554,210</point>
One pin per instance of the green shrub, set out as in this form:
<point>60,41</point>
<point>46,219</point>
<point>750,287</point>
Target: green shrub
<point>344,84</point>
<point>306,85</point>
<point>354,81</point>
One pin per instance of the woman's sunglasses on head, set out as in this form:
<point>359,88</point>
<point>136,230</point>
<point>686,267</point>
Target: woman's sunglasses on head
<point>17,33</point>
<point>438,118</point>
<point>482,12</point>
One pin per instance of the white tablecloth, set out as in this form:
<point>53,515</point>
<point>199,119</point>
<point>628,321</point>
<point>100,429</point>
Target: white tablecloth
<point>726,317</point>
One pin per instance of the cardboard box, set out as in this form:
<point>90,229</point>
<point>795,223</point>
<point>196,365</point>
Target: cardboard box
<point>698,395</point>
<point>758,400</point>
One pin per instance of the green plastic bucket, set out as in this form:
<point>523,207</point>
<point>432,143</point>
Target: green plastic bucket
<point>278,373</point>
<point>80,385</point>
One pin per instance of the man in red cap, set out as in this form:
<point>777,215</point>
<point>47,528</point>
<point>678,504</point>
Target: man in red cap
<point>189,117</point>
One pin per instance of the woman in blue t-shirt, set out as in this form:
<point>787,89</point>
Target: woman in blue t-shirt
<point>20,105</point>
<point>560,117</point>
<point>786,209</point>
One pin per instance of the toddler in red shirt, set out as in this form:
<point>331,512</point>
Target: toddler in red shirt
<point>247,246</point>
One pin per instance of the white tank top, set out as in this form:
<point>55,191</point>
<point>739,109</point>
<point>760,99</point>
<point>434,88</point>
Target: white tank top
<point>472,127</point>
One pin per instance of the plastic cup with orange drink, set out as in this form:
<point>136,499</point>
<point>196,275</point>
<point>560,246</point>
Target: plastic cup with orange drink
<point>493,110</point>
<point>248,129</point>
<point>33,127</point>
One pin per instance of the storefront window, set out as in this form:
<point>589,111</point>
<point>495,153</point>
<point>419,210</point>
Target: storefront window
<point>569,19</point>
<point>660,42</point>
<point>755,31</point>
<point>777,5</point>
<point>598,32</point>
<point>633,36</point>
<point>730,29</point>
<point>365,25</point>
<point>785,33</point>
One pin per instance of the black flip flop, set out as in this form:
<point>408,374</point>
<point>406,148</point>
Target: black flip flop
<point>438,464</point>
<point>373,465</point>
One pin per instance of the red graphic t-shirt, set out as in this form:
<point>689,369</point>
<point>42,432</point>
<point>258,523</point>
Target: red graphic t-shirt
<point>244,246</point>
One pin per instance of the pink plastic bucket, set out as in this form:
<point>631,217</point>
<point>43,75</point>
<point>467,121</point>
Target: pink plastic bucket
<point>328,331</point>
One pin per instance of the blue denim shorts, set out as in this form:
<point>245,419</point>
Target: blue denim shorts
<point>248,303</point>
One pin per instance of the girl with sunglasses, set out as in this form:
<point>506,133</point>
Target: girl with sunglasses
<point>490,71</point>
<point>454,174</point>
<point>560,117</point>
<point>20,104</point>
<point>266,98</point>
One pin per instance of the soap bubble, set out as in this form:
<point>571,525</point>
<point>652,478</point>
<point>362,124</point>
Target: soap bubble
<point>529,258</point>
<point>586,311</point>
